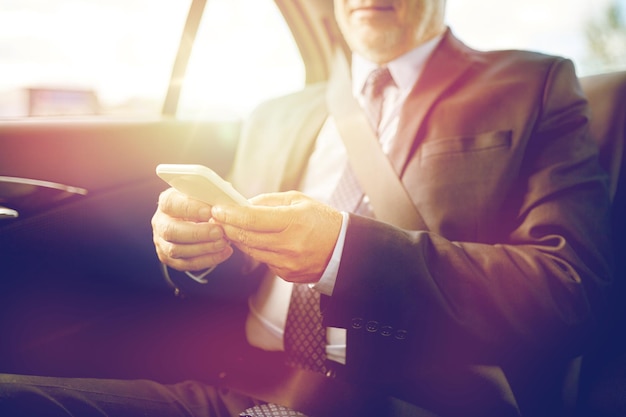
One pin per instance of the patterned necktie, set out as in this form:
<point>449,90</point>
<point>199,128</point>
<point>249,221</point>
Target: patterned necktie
<point>270,410</point>
<point>374,95</point>
<point>305,337</point>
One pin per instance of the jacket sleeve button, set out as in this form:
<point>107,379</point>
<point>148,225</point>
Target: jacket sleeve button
<point>401,334</point>
<point>357,323</point>
<point>386,331</point>
<point>372,326</point>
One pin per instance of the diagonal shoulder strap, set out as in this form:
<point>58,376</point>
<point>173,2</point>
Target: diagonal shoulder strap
<point>376,175</point>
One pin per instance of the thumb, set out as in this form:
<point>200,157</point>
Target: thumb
<point>277,199</point>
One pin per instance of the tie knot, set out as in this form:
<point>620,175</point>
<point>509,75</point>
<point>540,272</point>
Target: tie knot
<point>377,81</point>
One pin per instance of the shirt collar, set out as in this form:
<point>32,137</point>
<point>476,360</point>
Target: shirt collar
<point>405,69</point>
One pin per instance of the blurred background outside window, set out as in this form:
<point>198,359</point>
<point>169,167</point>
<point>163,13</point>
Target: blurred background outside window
<point>81,57</point>
<point>114,57</point>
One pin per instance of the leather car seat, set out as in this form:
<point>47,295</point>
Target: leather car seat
<point>602,384</point>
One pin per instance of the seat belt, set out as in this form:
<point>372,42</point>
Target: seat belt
<point>373,169</point>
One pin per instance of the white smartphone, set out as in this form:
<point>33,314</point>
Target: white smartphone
<point>201,183</point>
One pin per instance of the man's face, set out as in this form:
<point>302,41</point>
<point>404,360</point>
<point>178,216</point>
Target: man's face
<point>382,30</point>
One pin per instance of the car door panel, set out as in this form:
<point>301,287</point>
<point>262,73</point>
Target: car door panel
<point>113,165</point>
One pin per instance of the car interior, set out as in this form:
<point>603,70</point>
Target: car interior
<point>81,289</point>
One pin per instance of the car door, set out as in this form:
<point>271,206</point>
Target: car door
<point>77,167</point>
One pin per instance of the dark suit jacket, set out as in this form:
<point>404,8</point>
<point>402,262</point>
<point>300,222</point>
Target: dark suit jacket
<point>479,313</point>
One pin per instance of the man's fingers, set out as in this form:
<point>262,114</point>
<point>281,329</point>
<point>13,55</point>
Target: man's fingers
<point>269,213</point>
<point>186,251</point>
<point>184,235</point>
<point>196,263</point>
<point>262,219</point>
<point>177,204</point>
<point>248,240</point>
<point>182,231</point>
<point>277,199</point>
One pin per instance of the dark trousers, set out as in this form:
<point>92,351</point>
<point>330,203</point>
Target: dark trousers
<point>32,396</point>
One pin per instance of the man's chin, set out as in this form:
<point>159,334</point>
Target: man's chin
<point>373,45</point>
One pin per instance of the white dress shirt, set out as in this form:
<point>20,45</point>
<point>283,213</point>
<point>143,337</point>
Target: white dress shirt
<point>265,324</point>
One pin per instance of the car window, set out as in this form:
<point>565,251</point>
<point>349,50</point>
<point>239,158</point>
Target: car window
<point>85,57</point>
<point>590,32</point>
<point>115,57</point>
<point>244,53</point>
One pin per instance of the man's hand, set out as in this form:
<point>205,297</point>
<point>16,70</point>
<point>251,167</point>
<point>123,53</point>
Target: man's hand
<point>290,232</point>
<point>185,236</point>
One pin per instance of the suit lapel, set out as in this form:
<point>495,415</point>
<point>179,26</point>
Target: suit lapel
<point>448,62</point>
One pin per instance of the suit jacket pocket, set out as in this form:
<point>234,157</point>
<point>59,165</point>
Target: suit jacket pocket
<point>459,182</point>
<point>465,144</point>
